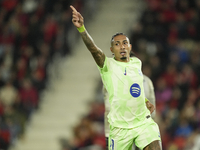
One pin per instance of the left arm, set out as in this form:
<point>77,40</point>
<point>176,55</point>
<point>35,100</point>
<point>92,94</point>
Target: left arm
<point>150,106</point>
<point>150,95</point>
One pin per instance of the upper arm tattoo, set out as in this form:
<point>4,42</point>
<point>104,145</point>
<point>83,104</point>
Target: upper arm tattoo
<point>96,52</point>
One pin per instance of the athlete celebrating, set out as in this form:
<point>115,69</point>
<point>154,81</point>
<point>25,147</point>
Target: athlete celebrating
<point>129,118</point>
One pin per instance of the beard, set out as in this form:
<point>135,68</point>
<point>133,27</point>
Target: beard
<point>123,58</point>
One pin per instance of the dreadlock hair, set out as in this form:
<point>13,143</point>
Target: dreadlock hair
<point>117,35</point>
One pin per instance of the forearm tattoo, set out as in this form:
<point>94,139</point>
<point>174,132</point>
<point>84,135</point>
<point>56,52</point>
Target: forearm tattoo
<point>96,52</point>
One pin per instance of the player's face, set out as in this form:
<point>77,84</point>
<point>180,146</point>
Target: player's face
<point>121,48</point>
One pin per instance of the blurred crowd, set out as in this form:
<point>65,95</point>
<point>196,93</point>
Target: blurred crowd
<point>32,33</point>
<point>88,134</point>
<point>167,40</point>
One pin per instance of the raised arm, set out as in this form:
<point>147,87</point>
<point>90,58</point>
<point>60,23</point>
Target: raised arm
<point>96,52</point>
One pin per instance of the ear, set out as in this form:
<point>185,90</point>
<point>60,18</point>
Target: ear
<point>111,49</point>
<point>130,47</point>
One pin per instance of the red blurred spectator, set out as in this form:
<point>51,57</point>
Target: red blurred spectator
<point>4,137</point>
<point>50,29</point>
<point>170,75</point>
<point>6,37</point>
<point>22,17</point>
<point>21,69</point>
<point>188,76</point>
<point>1,109</point>
<point>28,97</point>
<point>9,5</point>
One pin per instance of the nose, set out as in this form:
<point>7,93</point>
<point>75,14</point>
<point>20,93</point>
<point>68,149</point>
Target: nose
<point>122,46</point>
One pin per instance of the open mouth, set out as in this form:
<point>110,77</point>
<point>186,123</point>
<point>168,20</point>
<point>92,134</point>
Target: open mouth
<point>123,53</point>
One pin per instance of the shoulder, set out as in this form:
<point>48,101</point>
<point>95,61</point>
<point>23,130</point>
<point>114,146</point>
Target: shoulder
<point>110,59</point>
<point>135,59</point>
<point>106,65</point>
<point>148,80</point>
<point>136,62</point>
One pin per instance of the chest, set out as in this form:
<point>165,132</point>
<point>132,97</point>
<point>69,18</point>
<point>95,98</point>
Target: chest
<point>127,71</point>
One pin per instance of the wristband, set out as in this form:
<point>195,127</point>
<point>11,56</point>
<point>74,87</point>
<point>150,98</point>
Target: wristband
<point>146,100</point>
<point>81,29</point>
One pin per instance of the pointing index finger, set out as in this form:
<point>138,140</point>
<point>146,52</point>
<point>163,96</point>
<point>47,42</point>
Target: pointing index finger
<point>73,8</point>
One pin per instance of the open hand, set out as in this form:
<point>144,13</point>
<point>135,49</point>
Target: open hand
<point>77,18</point>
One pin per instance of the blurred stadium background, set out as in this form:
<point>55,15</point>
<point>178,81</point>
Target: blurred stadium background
<point>50,87</point>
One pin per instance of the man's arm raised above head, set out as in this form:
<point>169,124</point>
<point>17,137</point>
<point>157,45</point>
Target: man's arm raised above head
<point>96,52</point>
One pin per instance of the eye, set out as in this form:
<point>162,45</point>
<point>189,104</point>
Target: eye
<point>116,44</point>
<point>125,43</point>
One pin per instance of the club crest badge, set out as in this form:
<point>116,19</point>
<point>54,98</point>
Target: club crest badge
<point>135,90</point>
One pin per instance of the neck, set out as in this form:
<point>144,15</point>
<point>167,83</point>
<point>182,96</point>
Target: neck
<point>123,59</point>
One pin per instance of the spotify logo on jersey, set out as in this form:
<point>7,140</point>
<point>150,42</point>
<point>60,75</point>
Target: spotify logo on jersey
<point>135,90</point>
